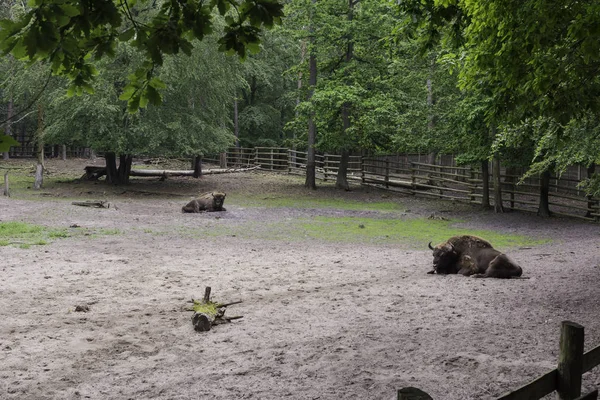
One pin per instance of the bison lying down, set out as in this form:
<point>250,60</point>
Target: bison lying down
<point>472,256</point>
<point>211,202</point>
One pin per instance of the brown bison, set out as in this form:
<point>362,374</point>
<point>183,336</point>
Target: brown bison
<point>212,201</point>
<point>472,256</point>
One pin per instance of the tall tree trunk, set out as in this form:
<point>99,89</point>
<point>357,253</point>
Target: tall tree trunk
<point>431,157</point>
<point>498,207</point>
<point>197,166</point>
<point>509,184</point>
<point>342,174</point>
<point>341,181</point>
<point>544,206</point>
<point>591,203</point>
<point>236,123</point>
<point>312,128</point>
<point>485,176</point>
<point>124,170</point>
<point>63,152</point>
<point>111,167</point>
<point>39,171</point>
<point>8,129</point>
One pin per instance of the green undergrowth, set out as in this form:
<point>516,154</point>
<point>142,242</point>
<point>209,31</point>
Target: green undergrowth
<point>414,231</point>
<point>25,235</point>
<point>311,202</point>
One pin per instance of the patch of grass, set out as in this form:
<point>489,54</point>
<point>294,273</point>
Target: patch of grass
<point>94,233</point>
<point>59,234</point>
<point>311,202</point>
<point>108,232</point>
<point>417,231</point>
<point>410,232</point>
<point>26,235</point>
<point>21,177</point>
<point>19,180</point>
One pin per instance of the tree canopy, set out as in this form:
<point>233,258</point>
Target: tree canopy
<point>515,80</point>
<point>68,34</point>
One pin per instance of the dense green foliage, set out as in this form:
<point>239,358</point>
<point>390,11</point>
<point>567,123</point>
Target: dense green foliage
<point>534,67</point>
<point>68,33</point>
<point>515,81</point>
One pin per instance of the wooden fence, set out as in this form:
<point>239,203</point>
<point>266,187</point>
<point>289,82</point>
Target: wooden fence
<point>566,378</point>
<point>410,174</point>
<point>269,158</point>
<point>326,165</point>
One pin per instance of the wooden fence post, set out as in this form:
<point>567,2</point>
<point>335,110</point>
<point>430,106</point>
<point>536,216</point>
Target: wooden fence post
<point>472,185</point>
<point>570,361</point>
<point>362,170</point>
<point>413,178</point>
<point>387,173</point>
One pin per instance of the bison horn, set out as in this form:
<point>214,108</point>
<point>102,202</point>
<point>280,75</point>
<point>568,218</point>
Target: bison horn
<point>430,246</point>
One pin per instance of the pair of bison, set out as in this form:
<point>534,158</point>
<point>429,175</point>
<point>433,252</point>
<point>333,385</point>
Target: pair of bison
<point>467,255</point>
<point>472,256</point>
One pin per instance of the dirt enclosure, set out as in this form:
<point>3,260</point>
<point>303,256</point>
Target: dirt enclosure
<point>322,319</point>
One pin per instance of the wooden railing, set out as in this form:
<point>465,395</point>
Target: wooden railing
<point>566,378</point>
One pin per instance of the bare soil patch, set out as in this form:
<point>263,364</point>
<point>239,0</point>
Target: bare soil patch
<point>103,316</point>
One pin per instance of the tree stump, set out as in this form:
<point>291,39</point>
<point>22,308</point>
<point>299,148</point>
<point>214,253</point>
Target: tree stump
<point>93,173</point>
<point>208,313</point>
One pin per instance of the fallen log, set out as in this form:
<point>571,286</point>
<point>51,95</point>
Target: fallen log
<point>167,172</point>
<point>93,173</point>
<point>158,172</point>
<point>96,204</point>
<point>208,313</point>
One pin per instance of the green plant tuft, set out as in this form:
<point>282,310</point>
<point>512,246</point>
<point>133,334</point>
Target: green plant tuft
<point>209,308</point>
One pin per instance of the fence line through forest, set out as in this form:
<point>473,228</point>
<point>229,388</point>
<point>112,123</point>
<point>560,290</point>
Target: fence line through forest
<point>408,174</point>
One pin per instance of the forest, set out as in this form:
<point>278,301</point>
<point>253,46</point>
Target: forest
<point>497,81</point>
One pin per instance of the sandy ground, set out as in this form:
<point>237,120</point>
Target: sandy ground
<point>321,320</point>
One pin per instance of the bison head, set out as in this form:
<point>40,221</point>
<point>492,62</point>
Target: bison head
<point>444,258</point>
<point>218,200</point>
